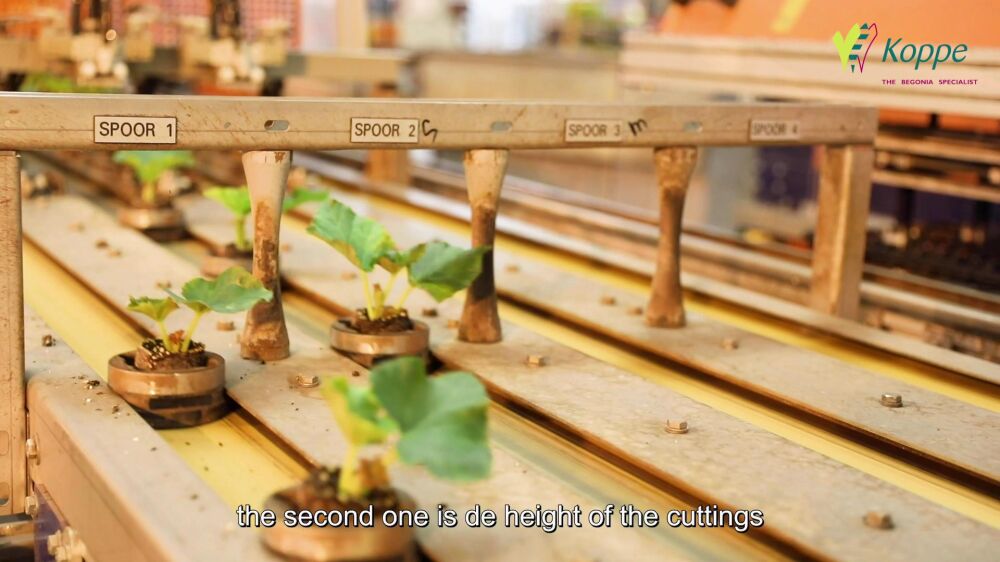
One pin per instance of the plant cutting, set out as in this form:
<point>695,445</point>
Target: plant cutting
<point>383,328</point>
<point>402,416</point>
<point>237,201</point>
<point>171,378</point>
<point>151,210</point>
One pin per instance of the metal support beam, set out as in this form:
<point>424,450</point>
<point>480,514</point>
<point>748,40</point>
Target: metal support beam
<point>266,336</point>
<point>387,165</point>
<point>13,486</point>
<point>673,174</point>
<point>484,172</point>
<point>839,247</point>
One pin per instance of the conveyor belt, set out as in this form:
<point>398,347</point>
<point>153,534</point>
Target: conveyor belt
<point>945,493</point>
<point>241,460</point>
<point>938,380</point>
<point>219,452</point>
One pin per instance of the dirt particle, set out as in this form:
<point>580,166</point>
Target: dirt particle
<point>116,253</point>
<point>225,325</point>
<point>48,340</point>
<point>101,244</point>
<point>163,284</point>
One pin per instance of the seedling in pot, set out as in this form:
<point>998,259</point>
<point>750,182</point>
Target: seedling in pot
<point>151,212</point>
<point>172,378</point>
<point>405,416</point>
<point>381,329</point>
<point>150,166</point>
<point>237,200</point>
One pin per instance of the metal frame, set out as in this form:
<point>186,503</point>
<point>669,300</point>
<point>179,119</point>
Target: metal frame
<point>268,127</point>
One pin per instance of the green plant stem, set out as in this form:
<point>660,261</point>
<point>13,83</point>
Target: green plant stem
<point>349,485</point>
<point>189,333</point>
<point>165,336</point>
<point>369,301</point>
<point>402,299</point>
<point>390,284</point>
<point>242,244</point>
<point>149,193</point>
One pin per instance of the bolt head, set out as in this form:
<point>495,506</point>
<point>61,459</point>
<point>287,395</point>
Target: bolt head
<point>891,400</point>
<point>31,449</point>
<point>307,381</point>
<point>878,520</point>
<point>31,505</point>
<point>536,360</point>
<point>677,426</point>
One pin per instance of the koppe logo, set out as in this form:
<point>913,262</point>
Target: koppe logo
<point>854,47</point>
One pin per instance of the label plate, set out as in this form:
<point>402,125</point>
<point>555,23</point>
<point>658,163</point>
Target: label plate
<point>120,129</point>
<point>593,130</point>
<point>384,130</point>
<point>774,130</point>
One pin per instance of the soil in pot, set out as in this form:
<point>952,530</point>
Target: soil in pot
<point>153,355</point>
<point>368,341</point>
<point>392,320</point>
<point>222,258</point>
<point>162,223</point>
<point>344,543</point>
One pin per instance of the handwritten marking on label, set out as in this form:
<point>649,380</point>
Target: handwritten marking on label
<point>121,129</point>
<point>774,130</point>
<point>593,130</point>
<point>637,126</point>
<point>392,131</point>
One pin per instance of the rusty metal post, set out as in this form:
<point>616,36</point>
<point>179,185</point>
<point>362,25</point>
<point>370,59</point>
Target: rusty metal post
<point>673,174</point>
<point>13,467</point>
<point>845,189</point>
<point>265,336</point>
<point>484,171</point>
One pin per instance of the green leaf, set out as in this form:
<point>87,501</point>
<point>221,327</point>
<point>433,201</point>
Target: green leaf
<point>236,199</point>
<point>299,197</point>
<point>235,290</point>
<point>358,413</point>
<point>361,240</point>
<point>157,309</point>
<point>149,165</point>
<point>395,260</point>
<point>442,420</point>
<point>442,269</point>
